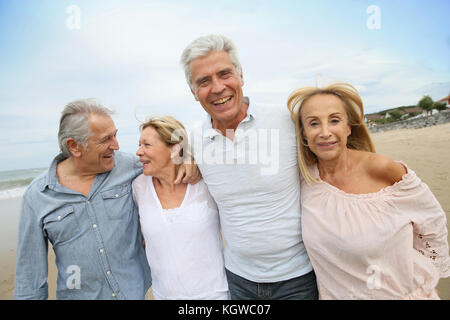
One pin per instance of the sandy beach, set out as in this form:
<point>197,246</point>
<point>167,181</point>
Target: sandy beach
<point>426,151</point>
<point>9,220</point>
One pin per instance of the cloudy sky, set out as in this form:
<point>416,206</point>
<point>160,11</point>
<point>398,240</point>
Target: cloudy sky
<point>126,54</point>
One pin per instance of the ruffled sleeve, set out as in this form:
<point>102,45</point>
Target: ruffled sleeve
<point>429,222</point>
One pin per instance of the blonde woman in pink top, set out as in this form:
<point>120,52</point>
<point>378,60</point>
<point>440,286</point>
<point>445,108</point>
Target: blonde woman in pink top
<point>371,227</point>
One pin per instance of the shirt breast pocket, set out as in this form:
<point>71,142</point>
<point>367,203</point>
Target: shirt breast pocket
<point>118,202</point>
<point>61,225</point>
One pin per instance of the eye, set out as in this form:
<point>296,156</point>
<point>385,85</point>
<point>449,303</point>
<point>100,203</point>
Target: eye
<point>203,83</point>
<point>225,75</point>
<point>144,144</point>
<point>314,123</point>
<point>105,140</point>
<point>335,120</point>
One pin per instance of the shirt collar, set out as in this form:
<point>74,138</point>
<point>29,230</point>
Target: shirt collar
<point>52,179</point>
<point>210,133</point>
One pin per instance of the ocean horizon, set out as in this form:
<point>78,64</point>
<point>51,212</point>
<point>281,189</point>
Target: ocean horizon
<point>13,183</point>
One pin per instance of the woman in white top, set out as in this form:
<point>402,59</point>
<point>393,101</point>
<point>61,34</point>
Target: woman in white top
<point>179,222</point>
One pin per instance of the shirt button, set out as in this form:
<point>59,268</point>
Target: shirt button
<point>88,202</point>
<point>113,294</point>
<point>101,250</point>
<point>59,217</point>
<point>94,226</point>
<point>108,272</point>
<point>117,195</point>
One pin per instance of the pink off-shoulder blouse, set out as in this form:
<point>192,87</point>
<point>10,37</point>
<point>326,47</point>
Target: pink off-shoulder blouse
<point>391,244</point>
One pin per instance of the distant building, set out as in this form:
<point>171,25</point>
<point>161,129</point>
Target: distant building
<point>413,109</point>
<point>388,114</point>
<point>446,100</point>
<point>368,118</point>
<point>416,110</point>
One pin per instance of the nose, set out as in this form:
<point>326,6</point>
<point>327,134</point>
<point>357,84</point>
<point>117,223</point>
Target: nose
<point>139,151</point>
<point>114,144</point>
<point>325,132</point>
<point>217,86</point>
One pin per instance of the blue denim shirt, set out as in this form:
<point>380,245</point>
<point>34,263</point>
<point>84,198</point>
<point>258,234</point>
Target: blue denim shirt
<point>97,239</point>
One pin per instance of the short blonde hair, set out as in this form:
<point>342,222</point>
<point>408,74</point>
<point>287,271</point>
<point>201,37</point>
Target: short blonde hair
<point>359,138</point>
<point>171,131</point>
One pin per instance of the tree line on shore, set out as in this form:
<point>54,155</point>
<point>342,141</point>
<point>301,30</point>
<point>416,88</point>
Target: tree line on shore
<point>426,104</point>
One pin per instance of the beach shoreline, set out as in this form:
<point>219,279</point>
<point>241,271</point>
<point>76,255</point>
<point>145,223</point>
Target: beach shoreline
<point>424,150</point>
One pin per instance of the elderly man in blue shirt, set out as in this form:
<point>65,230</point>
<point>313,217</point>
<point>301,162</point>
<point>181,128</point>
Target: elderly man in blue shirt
<point>83,205</point>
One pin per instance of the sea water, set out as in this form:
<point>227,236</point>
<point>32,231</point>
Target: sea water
<point>13,183</point>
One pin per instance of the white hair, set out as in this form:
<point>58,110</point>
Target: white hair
<point>74,122</point>
<point>202,47</point>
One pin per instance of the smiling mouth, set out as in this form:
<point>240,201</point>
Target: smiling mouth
<point>222,101</point>
<point>326,144</point>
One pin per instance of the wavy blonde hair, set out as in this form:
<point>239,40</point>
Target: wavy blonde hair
<point>359,138</point>
<point>171,131</point>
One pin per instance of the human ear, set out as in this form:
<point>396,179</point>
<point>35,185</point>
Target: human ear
<point>175,154</point>
<point>74,147</point>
